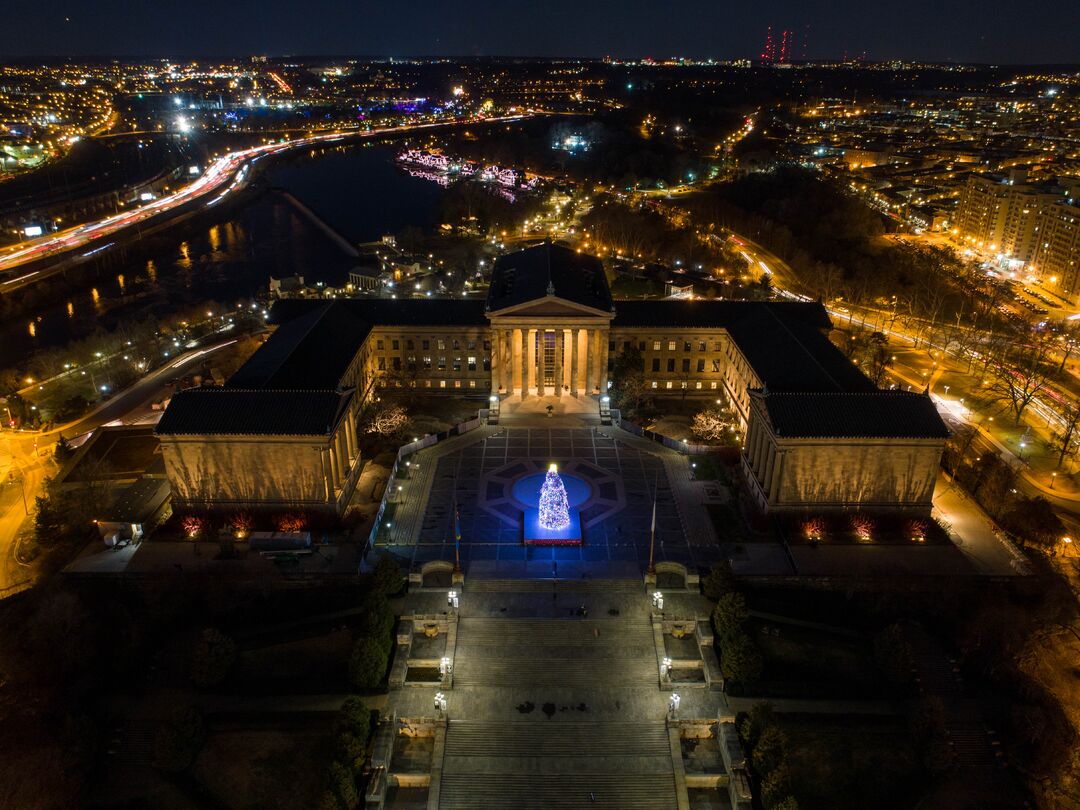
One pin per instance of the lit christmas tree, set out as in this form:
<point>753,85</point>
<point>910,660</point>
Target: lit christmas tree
<point>554,509</point>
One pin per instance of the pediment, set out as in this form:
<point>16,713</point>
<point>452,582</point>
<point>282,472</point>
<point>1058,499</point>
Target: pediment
<point>549,307</point>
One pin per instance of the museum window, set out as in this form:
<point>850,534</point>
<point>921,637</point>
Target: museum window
<point>701,346</point>
<point>716,366</point>
<point>395,344</point>
<point>656,345</point>
<point>685,366</point>
<point>427,364</point>
<point>472,364</point>
<point>378,344</point>
<point>397,364</point>
<point>442,364</point>
<point>457,364</point>
<point>700,366</point>
<point>671,364</point>
<point>382,364</point>
<point>671,345</point>
<point>656,364</point>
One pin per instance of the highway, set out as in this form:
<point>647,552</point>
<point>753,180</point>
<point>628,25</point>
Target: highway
<point>222,177</point>
<point>32,460</point>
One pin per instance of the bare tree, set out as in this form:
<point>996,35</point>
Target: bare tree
<point>1023,373</point>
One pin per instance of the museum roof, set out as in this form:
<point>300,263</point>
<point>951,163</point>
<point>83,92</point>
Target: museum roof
<point>548,269</point>
<point>783,341</point>
<point>871,415</point>
<point>244,412</point>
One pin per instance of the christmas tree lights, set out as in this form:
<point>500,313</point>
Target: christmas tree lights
<point>554,509</point>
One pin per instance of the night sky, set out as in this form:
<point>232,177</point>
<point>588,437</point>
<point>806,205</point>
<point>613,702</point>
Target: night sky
<point>997,31</point>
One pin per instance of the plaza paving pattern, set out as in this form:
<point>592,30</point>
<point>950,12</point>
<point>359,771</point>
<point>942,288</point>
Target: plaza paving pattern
<point>556,701</point>
<point>467,470</point>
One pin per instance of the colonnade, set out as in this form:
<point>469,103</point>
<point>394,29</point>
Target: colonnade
<point>519,363</point>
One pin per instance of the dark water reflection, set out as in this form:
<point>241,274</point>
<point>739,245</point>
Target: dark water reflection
<point>356,189</point>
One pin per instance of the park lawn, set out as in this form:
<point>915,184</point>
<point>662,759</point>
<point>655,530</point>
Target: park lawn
<point>852,762</point>
<point>264,767</point>
<point>806,662</point>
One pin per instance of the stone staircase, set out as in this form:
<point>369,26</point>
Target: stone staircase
<point>565,653</point>
<point>558,764</point>
<point>476,585</point>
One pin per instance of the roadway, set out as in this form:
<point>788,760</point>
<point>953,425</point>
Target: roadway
<point>222,177</point>
<point>32,460</point>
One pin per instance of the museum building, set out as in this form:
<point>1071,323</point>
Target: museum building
<point>282,431</point>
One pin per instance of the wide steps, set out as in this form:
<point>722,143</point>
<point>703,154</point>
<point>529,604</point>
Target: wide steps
<point>560,586</point>
<point>533,632</point>
<point>578,672</point>
<point>618,791</point>
<point>552,738</point>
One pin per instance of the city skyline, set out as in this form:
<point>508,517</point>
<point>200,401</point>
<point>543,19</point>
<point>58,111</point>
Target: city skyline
<point>964,32</point>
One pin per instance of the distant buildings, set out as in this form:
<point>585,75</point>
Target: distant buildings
<point>1033,225</point>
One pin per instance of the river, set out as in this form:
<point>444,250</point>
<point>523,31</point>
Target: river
<point>357,189</point>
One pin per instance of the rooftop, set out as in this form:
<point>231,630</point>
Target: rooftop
<point>871,415</point>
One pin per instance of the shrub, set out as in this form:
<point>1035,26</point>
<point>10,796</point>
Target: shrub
<point>368,662</point>
<point>193,525</point>
<point>291,522</point>
<point>179,740</point>
<point>730,614</point>
<point>388,577</point>
<point>719,581</point>
<point>212,658</point>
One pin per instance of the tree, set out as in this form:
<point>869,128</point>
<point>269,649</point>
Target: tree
<point>213,657</point>
<point>770,751</point>
<point>712,424</point>
<point>893,654</point>
<point>730,614</point>
<point>1064,437</point>
<point>179,739</point>
<point>719,581</point>
<point>343,786</point>
<point>740,660</point>
<point>1034,520</point>
<point>628,388</point>
<point>386,419</point>
<point>368,663</point>
<point>388,577</point>
<point>1023,374</point>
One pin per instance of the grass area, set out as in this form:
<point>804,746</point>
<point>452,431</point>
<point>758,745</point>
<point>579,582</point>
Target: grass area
<point>849,762</point>
<point>804,662</point>
<point>264,767</point>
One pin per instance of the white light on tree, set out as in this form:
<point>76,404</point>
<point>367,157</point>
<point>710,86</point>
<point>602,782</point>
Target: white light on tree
<point>554,509</point>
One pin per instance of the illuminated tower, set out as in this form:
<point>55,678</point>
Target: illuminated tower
<point>554,508</point>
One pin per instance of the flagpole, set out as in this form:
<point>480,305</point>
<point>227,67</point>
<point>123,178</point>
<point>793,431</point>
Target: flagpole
<point>652,530</point>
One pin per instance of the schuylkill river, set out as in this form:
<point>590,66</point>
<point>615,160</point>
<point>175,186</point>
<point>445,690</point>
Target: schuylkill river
<point>356,188</point>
